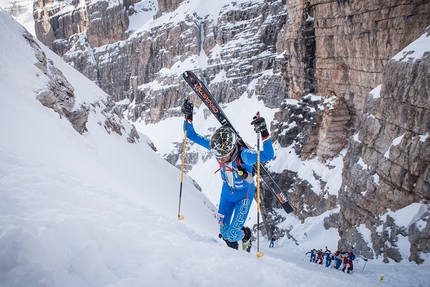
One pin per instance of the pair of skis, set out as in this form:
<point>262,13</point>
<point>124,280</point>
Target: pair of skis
<point>203,93</point>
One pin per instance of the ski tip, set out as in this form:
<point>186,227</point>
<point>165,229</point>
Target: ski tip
<point>187,73</point>
<point>181,217</point>
<point>259,254</point>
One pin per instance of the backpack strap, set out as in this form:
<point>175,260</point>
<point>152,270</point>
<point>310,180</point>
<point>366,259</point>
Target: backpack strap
<point>243,173</point>
<point>221,165</point>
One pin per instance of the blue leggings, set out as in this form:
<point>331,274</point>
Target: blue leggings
<point>338,263</point>
<point>233,211</point>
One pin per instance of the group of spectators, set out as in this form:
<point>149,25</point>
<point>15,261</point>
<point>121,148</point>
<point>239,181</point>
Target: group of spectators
<point>335,260</point>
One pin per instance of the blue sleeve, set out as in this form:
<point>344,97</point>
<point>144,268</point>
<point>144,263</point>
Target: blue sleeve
<point>249,156</point>
<point>195,137</point>
<point>268,152</point>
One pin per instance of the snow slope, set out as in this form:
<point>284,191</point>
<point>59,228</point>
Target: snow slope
<point>94,210</point>
<point>25,8</point>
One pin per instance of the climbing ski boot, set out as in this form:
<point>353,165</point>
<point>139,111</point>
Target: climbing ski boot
<point>247,234</point>
<point>233,245</point>
<point>246,240</point>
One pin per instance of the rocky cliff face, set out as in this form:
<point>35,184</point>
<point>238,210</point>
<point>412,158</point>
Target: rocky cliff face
<point>59,96</point>
<point>241,43</point>
<point>340,49</point>
<point>17,8</point>
<point>389,159</point>
<point>278,50</point>
<point>352,41</point>
<point>102,22</point>
<point>58,93</point>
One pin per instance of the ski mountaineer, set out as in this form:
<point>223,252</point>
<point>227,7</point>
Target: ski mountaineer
<point>328,257</point>
<point>235,166</point>
<point>348,258</point>
<point>313,253</point>
<point>338,259</point>
<point>319,257</point>
<point>272,243</point>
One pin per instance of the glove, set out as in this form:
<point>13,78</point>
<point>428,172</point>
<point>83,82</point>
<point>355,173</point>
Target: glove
<point>260,126</point>
<point>187,109</point>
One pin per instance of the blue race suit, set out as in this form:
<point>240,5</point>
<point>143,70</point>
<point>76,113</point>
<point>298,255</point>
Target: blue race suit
<point>237,193</point>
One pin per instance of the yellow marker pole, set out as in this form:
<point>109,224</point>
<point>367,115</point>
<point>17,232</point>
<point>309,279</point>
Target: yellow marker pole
<point>180,216</point>
<point>259,253</point>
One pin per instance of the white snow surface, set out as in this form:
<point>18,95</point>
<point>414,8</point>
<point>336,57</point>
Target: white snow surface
<point>415,50</point>
<point>376,92</point>
<point>26,18</point>
<point>95,210</point>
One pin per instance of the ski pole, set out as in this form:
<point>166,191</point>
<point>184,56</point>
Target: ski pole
<point>259,253</point>
<point>180,216</point>
<point>365,262</point>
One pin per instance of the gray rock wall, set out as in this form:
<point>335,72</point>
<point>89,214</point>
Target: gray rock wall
<point>394,149</point>
<point>246,34</point>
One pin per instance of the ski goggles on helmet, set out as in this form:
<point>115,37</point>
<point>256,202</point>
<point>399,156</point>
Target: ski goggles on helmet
<point>222,158</point>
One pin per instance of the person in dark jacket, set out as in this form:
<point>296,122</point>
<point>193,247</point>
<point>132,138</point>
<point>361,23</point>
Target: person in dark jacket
<point>328,257</point>
<point>272,242</point>
<point>313,253</point>
<point>337,259</point>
